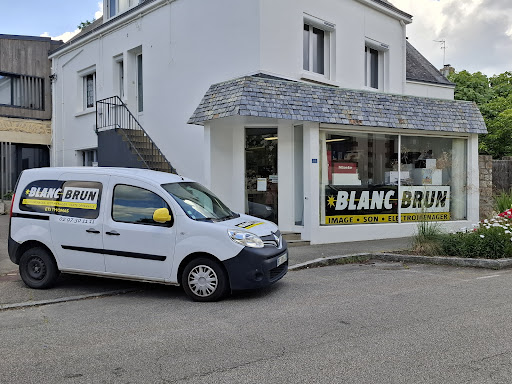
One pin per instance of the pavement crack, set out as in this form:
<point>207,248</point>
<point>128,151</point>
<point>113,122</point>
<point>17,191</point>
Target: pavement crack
<point>231,368</point>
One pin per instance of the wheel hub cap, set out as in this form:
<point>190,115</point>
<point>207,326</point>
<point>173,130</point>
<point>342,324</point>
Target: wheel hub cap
<point>202,280</point>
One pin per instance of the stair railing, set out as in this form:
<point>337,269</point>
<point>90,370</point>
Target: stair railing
<point>112,113</point>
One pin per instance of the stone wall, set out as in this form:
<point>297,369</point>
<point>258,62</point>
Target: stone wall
<point>485,166</point>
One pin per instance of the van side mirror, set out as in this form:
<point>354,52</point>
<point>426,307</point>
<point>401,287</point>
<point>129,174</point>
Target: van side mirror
<point>162,215</point>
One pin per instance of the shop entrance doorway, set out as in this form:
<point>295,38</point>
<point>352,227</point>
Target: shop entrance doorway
<point>261,181</point>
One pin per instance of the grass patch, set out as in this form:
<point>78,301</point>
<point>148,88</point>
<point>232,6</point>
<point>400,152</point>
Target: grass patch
<point>502,201</point>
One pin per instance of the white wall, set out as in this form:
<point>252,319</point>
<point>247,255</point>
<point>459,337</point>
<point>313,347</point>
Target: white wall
<point>429,90</point>
<point>184,52</point>
<point>282,40</point>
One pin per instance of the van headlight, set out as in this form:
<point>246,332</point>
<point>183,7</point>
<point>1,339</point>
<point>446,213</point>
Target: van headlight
<point>246,239</point>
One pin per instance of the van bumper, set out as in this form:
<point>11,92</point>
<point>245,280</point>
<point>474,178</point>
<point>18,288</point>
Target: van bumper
<point>12,249</point>
<point>256,267</point>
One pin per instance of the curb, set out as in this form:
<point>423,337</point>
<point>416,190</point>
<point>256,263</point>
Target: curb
<point>495,264</point>
<point>26,304</point>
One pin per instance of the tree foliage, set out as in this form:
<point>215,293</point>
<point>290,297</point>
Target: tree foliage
<point>84,24</point>
<point>493,95</point>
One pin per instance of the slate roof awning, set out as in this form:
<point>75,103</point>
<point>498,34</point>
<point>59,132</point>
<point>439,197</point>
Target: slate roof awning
<point>267,97</point>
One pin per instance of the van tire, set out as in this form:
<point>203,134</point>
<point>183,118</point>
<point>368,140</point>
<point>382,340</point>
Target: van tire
<point>38,268</point>
<point>204,280</point>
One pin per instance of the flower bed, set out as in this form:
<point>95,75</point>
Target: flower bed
<point>490,239</point>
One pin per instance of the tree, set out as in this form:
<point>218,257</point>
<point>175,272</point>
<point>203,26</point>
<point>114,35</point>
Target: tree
<point>84,24</point>
<point>494,98</point>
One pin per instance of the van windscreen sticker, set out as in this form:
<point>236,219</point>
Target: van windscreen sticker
<point>65,198</point>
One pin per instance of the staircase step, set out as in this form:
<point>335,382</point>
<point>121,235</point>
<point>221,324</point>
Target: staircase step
<point>288,236</point>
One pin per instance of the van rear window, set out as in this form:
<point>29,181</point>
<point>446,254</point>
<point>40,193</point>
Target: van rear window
<point>64,198</point>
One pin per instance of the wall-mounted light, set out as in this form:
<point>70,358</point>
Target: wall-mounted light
<point>333,140</point>
<point>270,138</point>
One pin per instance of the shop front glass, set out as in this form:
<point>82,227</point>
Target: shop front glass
<point>261,180</point>
<point>369,178</point>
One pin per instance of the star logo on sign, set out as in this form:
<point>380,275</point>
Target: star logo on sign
<point>27,191</point>
<point>331,201</point>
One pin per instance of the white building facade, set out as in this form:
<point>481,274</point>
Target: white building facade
<point>304,119</point>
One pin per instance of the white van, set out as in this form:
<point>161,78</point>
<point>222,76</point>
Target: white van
<point>140,225</point>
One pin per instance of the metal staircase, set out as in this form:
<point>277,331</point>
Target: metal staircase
<point>113,115</point>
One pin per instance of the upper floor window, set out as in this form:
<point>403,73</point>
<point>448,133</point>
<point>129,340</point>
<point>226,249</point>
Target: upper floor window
<point>21,91</point>
<point>116,7</point>
<point>317,46</point>
<point>374,62</point>
<point>372,67</point>
<point>89,90</point>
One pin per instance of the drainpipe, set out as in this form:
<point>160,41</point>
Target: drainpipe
<point>62,97</point>
<point>404,57</point>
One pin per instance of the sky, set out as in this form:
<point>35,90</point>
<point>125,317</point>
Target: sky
<point>477,33</point>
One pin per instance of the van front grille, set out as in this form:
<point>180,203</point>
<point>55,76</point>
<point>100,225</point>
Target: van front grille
<point>277,272</point>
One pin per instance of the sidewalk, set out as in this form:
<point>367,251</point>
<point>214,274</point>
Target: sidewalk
<point>12,289</point>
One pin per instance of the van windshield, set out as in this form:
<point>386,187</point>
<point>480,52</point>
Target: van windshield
<point>198,202</point>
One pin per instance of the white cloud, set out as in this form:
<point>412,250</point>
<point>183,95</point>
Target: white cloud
<point>99,12</point>
<point>68,35</point>
<point>477,32</point>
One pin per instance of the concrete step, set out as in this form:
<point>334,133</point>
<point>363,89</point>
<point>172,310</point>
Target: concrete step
<point>297,243</point>
<point>291,236</point>
<point>294,239</point>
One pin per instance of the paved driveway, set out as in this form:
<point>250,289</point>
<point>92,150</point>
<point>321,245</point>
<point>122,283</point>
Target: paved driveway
<point>368,323</point>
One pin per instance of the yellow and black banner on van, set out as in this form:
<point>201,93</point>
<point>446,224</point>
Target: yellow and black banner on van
<point>64,198</point>
<point>367,205</point>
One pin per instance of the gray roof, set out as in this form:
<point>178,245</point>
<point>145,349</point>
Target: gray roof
<point>388,5</point>
<point>418,68</point>
<point>261,96</point>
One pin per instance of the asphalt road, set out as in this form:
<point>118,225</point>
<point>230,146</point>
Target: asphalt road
<point>369,323</point>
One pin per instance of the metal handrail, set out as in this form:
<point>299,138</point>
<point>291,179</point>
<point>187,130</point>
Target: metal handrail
<point>108,116</point>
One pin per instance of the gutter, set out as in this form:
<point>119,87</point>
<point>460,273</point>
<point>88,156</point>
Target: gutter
<point>110,26</point>
<point>388,9</point>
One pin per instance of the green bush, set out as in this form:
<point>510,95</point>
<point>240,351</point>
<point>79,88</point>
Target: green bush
<point>490,239</point>
<point>503,201</point>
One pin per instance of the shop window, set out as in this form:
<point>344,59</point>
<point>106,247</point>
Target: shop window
<point>367,179</point>
<point>433,178</point>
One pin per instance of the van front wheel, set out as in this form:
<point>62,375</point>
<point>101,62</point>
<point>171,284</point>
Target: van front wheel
<point>38,268</point>
<point>204,280</point>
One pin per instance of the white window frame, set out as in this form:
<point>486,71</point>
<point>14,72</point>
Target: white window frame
<point>139,75</point>
<point>329,30</point>
<point>382,57</point>
<point>83,75</point>
<point>88,156</point>
<point>119,76</point>
<point>120,6</point>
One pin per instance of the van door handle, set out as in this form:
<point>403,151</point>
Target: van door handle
<point>113,233</point>
<point>92,230</point>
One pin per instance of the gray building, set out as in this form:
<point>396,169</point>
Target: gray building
<point>25,105</point>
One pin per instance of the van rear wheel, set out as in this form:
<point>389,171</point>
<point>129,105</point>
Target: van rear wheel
<point>204,280</point>
<point>38,268</point>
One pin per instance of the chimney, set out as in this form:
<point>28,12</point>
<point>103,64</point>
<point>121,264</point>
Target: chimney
<point>446,70</point>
